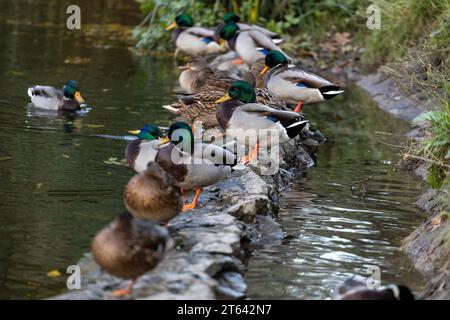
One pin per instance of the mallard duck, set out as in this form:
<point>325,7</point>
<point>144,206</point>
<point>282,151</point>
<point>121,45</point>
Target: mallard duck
<point>152,195</point>
<point>198,77</point>
<point>232,17</point>
<point>194,41</point>
<point>355,288</point>
<point>67,98</point>
<point>129,247</point>
<point>239,111</point>
<point>193,164</point>
<point>294,85</point>
<point>144,149</point>
<point>202,106</point>
<point>251,45</point>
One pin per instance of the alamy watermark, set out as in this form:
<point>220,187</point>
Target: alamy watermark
<point>374,17</point>
<point>74,20</point>
<point>74,280</point>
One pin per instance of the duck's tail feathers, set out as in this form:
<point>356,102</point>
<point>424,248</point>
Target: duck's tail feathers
<point>277,40</point>
<point>294,129</point>
<point>31,92</point>
<point>171,109</point>
<point>329,92</point>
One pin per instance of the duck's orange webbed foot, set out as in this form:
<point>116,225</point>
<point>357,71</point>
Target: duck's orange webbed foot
<point>124,291</point>
<point>194,202</point>
<point>251,156</point>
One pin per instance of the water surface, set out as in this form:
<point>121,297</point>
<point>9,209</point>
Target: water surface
<point>56,190</point>
<point>332,232</point>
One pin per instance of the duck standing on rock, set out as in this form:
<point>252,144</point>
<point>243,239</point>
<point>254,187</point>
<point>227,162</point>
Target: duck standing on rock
<point>232,17</point>
<point>129,247</point>
<point>194,165</point>
<point>144,149</point>
<point>238,110</point>
<point>152,195</point>
<point>194,41</point>
<point>293,85</point>
<point>251,45</point>
<point>202,106</point>
<point>67,98</point>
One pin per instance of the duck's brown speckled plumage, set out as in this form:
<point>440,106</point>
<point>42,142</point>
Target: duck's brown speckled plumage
<point>129,247</point>
<point>152,195</point>
<point>202,106</point>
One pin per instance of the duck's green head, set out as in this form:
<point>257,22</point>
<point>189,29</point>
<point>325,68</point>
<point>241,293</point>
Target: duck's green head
<point>231,17</point>
<point>240,90</point>
<point>72,91</point>
<point>182,20</point>
<point>273,59</point>
<point>229,31</point>
<point>148,132</point>
<point>180,132</point>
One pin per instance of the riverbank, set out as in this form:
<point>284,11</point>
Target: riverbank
<point>212,243</point>
<point>429,245</point>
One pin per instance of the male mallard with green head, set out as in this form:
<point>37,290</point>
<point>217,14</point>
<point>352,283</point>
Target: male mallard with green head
<point>152,195</point>
<point>238,110</point>
<point>294,85</point>
<point>194,41</point>
<point>194,165</point>
<point>251,45</point>
<point>144,149</point>
<point>232,17</point>
<point>67,98</point>
<point>129,247</point>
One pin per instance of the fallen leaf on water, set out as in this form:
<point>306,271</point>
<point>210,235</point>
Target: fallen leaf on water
<point>77,60</point>
<point>53,274</point>
<point>5,158</point>
<point>114,161</point>
<point>93,126</point>
<point>39,185</point>
<point>66,156</point>
<point>17,73</point>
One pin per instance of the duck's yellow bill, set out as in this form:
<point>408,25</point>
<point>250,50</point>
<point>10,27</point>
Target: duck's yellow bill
<point>78,97</point>
<point>222,43</point>
<point>172,26</point>
<point>135,132</point>
<point>266,68</point>
<point>164,141</point>
<point>223,99</point>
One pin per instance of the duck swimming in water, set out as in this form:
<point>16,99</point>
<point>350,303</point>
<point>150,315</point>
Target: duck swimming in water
<point>67,98</point>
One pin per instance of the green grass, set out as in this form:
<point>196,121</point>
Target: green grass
<point>421,24</point>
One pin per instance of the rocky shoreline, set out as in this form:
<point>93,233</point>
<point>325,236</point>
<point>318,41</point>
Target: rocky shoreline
<point>212,244</point>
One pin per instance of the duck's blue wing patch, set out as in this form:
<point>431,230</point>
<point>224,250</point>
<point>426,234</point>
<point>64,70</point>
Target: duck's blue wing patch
<point>301,85</point>
<point>207,40</point>
<point>272,118</point>
<point>264,51</point>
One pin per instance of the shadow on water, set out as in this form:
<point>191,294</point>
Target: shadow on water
<point>56,190</point>
<point>332,231</point>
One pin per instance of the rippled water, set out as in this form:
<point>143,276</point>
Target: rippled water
<point>332,232</point>
<point>56,190</point>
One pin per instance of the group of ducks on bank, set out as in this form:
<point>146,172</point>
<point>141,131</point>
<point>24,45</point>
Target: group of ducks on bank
<point>253,86</point>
